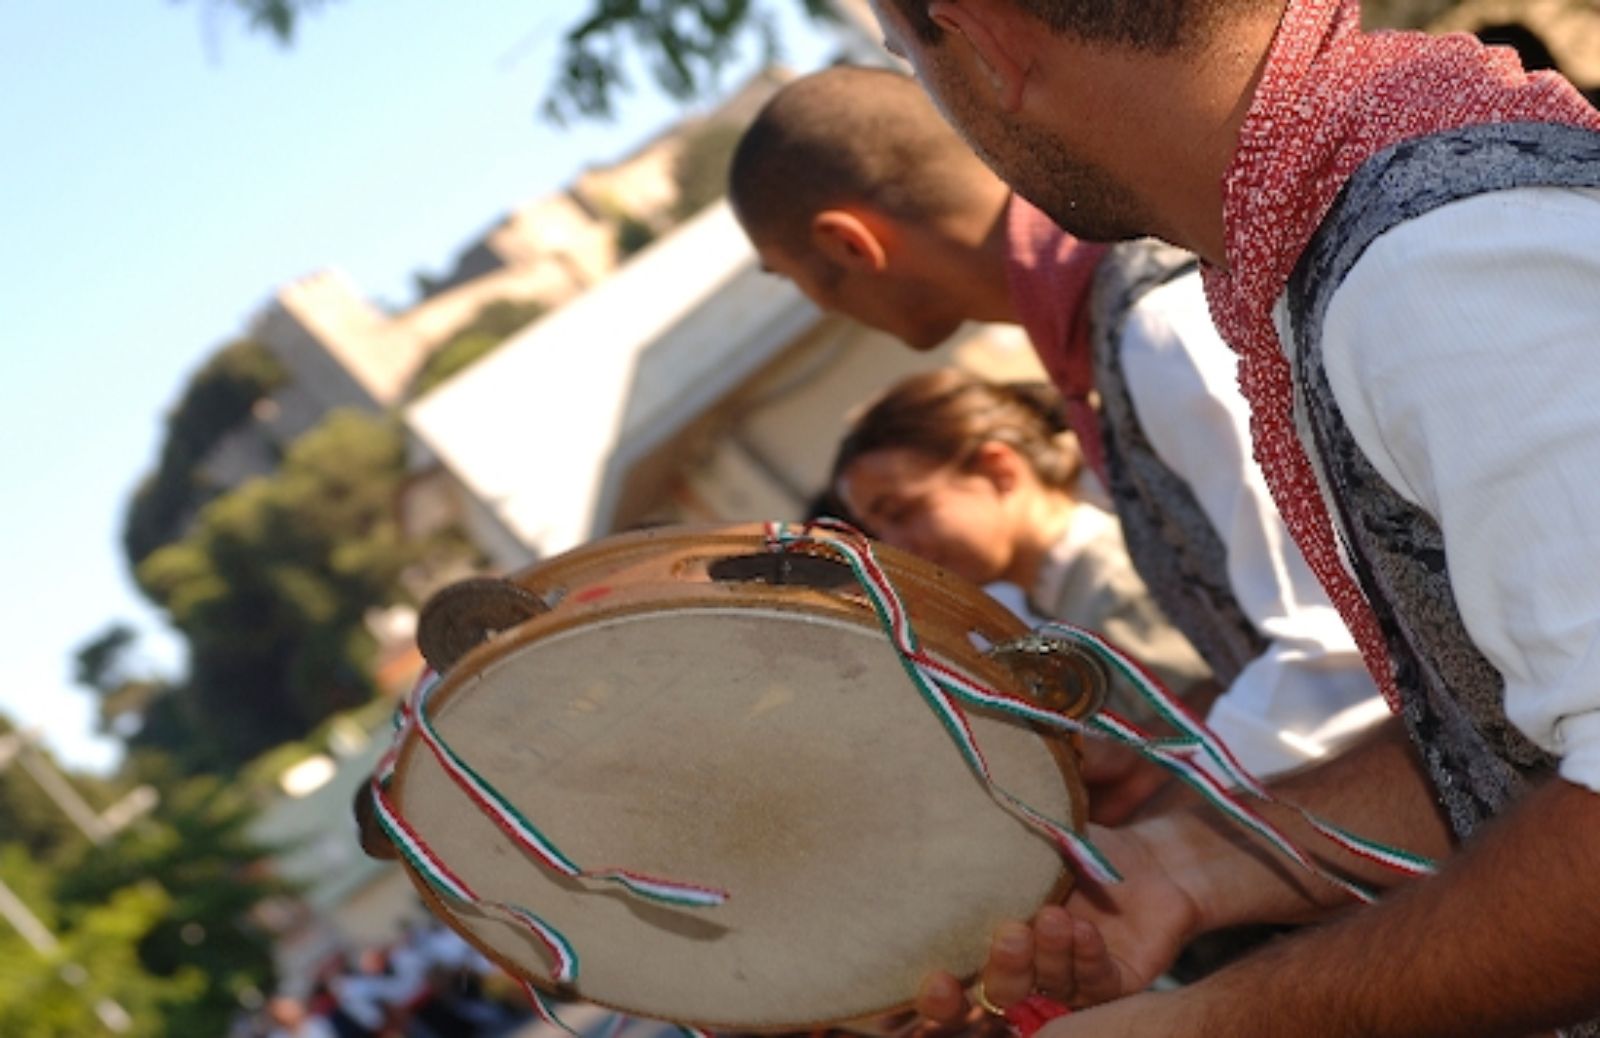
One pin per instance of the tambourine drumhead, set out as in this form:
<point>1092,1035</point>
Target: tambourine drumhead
<point>774,751</point>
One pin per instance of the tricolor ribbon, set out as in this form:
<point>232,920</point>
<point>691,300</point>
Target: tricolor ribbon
<point>528,836</point>
<point>413,717</point>
<point>945,689</point>
<point>938,686</point>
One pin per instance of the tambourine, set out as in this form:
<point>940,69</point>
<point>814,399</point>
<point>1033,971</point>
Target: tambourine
<point>714,708</point>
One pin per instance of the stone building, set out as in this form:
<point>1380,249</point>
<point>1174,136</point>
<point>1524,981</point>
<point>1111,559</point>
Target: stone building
<point>340,349</point>
<point>689,386</point>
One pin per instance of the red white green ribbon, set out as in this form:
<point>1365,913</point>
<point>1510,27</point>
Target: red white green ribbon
<point>1196,740</point>
<point>446,882</point>
<point>413,716</point>
<point>944,688</point>
<point>937,683</point>
<point>528,836</point>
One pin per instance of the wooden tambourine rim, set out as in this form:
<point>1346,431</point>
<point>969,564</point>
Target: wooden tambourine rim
<point>943,608</point>
<point>572,611</point>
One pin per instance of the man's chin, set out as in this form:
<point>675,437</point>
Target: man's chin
<point>1095,225</point>
<point>926,340</point>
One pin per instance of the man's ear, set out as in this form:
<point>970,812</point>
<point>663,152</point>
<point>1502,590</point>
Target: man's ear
<point>995,40</point>
<point>848,241</point>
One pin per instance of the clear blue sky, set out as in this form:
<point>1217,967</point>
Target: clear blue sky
<point>164,170</point>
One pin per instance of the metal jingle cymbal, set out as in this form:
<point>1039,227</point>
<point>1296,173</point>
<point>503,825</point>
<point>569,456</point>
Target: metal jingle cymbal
<point>1057,674</point>
<point>374,841</point>
<point>466,614</point>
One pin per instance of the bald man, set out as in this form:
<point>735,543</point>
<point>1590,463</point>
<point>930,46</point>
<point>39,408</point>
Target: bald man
<point>851,185</point>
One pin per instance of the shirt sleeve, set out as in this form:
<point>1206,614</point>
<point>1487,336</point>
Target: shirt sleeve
<point>1308,692</point>
<point>1463,350</point>
<point>1104,592</point>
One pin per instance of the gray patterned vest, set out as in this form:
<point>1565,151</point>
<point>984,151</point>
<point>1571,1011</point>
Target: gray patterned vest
<point>1174,547</point>
<point>1451,695</point>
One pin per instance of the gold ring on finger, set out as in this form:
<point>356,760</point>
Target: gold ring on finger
<point>980,996</point>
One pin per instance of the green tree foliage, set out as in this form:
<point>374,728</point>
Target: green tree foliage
<point>56,994</point>
<point>155,920</point>
<point>701,168</point>
<point>30,820</point>
<point>271,585</point>
<point>449,360</point>
<point>504,318</point>
<point>278,17</point>
<point>217,400</point>
<point>492,326</point>
<point>197,852</point>
<point>633,234</point>
<point>126,700</point>
<point>99,660</point>
<point>685,44</point>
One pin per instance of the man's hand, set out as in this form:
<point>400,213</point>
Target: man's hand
<point>1189,871</point>
<point>1120,782</point>
<point>1103,944</point>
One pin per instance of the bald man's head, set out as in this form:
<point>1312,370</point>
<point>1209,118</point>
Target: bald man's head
<point>848,137</point>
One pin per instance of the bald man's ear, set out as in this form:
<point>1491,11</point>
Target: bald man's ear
<point>848,241</point>
<point>996,41</point>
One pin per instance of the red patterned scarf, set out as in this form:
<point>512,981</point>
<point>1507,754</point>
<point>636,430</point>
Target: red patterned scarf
<point>1330,98</point>
<point>1050,273</point>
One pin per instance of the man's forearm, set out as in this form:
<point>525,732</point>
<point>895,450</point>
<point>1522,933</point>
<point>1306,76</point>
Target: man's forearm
<point>1504,940</point>
<point>1376,790</point>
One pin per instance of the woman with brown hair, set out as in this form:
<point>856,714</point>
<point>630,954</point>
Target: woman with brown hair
<point>984,480</point>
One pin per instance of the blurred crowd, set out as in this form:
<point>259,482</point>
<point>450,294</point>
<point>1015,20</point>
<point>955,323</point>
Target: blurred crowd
<point>429,983</point>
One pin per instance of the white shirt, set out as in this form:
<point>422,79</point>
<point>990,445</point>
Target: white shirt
<point>408,964</point>
<point>1015,599</point>
<point>1087,578</point>
<point>1463,350</point>
<point>444,947</point>
<point>1308,692</point>
<point>367,996</point>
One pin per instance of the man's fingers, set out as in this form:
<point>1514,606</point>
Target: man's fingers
<point>1102,763</point>
<point>1008,975</point>
<point>942,1000</point>
<point>1053,962</point>
<point>1062,957</point>
<point>1098,977</point>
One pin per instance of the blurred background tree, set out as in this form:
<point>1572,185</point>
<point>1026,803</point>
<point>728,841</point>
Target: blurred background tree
<point>31,821</point>
<point>218,399</point>
<point>493,325</point>
<point>94,969</point>
<point>154,921</point>
<point>701,169</point>
<point>271,588</point>
<point>684,44</point>
<point>202,944</point>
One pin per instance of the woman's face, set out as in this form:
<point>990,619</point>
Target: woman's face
<point>951,517</point>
